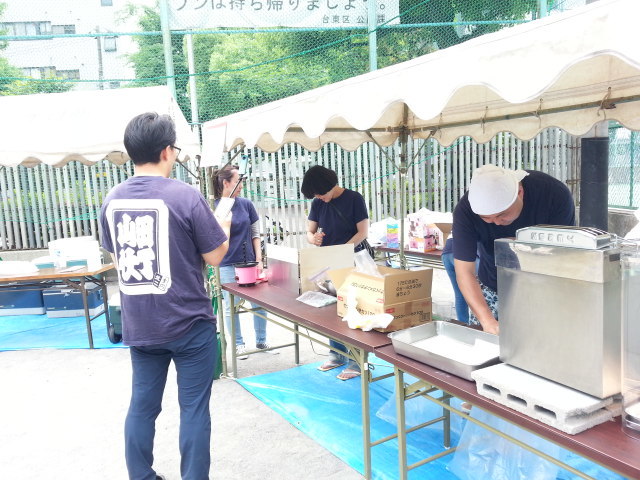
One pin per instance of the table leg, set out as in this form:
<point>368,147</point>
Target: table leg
<point>296,339</point>
<point>85,304</point>
<point>366,423</point>
<point>217,292</point>
<point>232,309</point>
<point>402,424</point>
<point>105,302</point>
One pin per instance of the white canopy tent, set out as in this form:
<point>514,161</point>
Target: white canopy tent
<point>570,70</point>
<point>86,126</point>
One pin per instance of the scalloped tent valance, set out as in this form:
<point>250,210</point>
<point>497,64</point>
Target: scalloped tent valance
<point>570,70</point>
<point>86,126</point>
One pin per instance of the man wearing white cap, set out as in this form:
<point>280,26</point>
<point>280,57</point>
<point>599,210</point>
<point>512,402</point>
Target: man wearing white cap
<point>498,203</point>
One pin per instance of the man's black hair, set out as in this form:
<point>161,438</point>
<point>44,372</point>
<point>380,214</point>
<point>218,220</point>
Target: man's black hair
<point>318,180</point>
<point>147,135</point>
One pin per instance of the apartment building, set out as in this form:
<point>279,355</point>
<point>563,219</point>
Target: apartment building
<point>96,56</point>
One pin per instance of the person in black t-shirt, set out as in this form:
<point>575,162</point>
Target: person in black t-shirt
<point>342,215</point>
<point>498,203</point>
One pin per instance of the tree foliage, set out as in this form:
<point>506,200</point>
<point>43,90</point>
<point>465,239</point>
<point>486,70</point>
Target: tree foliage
<point>148,61</point>
<point>242,70</point>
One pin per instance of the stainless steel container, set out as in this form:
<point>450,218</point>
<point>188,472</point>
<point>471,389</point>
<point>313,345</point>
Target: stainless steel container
<point>559,306</point>
<point>631,342</point>
<point>462,351</point>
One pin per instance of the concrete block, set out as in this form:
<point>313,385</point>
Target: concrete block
<point>549,402</point>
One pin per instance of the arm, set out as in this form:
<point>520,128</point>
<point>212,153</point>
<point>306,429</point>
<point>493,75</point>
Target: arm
<point>313,237</point>
<point>470,288</point>
<point>362,233</point>
<point>214,257</point>
<point>255,241</point>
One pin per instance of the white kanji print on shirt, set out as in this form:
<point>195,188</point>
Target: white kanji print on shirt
<point>139,232</point>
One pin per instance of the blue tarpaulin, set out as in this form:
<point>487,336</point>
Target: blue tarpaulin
<point>23,332</point>
<point>329,411</point>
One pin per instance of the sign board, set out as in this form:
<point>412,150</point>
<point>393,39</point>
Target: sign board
<point>205,14</point>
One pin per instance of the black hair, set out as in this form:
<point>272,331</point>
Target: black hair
<point>219,176</point>
<point>318,180</point>
<point>147,135</point>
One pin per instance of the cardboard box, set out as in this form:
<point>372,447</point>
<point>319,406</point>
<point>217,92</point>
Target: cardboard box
<point>290,268</point>
<point>21,300</point>
<point>405,314</point>
<point>445,228</point>
<point>429,242</point>
<point>67,302</point>
<point>406,294</point>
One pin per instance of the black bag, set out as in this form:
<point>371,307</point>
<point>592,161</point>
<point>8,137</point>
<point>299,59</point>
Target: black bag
<point>363,244</point>
<point>366,245</point>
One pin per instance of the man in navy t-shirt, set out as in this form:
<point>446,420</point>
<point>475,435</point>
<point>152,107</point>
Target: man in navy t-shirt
<point>498,203</point>
<point>160,232</point>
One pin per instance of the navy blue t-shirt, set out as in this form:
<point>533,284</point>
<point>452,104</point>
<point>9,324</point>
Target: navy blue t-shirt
<point>546,201</point>
<point>243,216</point>
<point>336,230</point>
<point>158,229</point>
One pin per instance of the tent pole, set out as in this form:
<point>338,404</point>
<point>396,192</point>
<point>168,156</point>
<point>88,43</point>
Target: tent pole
<point>402,172</point>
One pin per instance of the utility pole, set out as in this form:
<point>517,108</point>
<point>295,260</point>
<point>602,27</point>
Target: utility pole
<point>166,43</point>
<point>372,24</point>
<point>100,66</point>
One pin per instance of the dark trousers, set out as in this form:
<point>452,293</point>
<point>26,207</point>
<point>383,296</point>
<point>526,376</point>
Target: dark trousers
<point>194,356</point>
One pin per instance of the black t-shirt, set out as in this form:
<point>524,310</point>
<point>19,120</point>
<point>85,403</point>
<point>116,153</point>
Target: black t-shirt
<point>338,230</point>
<point>546,201</point>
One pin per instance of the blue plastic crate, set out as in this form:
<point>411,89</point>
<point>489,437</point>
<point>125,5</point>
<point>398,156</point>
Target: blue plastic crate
<point>67,302</point>
<point>21,300</point>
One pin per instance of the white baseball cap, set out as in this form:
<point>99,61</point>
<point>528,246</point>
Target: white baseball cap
<point>494,189</point>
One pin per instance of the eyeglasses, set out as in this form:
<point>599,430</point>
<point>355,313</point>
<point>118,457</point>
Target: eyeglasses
<point>178,149</point>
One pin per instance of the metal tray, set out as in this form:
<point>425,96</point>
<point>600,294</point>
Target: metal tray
<point>459,350</point>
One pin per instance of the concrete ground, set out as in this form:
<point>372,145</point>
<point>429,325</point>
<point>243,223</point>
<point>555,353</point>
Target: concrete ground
<point>62,414</point>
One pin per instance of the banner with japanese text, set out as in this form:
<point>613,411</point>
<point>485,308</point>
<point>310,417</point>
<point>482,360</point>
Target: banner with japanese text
<point>203,14</point>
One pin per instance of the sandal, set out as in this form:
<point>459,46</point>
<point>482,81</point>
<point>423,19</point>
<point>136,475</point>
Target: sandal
<point>348,374</point>
<point>330,365</point>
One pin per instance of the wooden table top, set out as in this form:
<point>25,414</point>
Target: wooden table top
<point>56,273</point>
<point>323,320</point>
<point>605,444</point>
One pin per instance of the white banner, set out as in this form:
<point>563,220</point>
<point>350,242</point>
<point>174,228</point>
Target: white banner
<point>204,14</point>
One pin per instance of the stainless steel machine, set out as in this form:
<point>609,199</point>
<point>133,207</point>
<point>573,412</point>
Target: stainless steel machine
<point>560,306</point>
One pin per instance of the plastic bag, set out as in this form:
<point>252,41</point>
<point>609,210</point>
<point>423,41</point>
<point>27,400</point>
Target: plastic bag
<point>365,264</point>
<point>418,410</point>
<point>316,299</point>
<point>365,322</point>
<point>482,455</point>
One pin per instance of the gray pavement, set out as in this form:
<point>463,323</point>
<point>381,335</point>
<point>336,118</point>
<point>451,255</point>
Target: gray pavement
<point>62,415</point>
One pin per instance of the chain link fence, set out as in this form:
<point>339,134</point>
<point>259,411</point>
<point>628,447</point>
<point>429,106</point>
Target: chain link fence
<point>224,56</point>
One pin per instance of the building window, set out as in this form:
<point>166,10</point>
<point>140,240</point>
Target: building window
<point>68,74</point>
<point>110,44</point>
<point>115,84</point>
<point>39,72</point>
<point>26,29</point>
<point>63,29</point>
<point>106,3</point>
